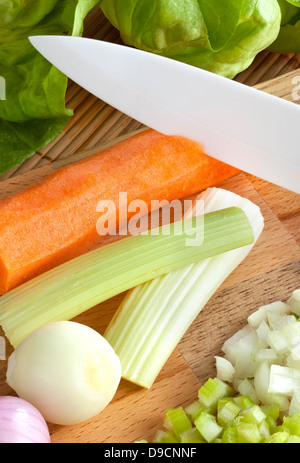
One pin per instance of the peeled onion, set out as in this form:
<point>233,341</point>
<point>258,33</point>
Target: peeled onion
<point>21,423</point>
<point>68,371</point>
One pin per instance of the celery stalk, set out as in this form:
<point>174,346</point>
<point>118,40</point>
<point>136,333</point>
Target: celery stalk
<point>74,287</point>
<point>154,316</point>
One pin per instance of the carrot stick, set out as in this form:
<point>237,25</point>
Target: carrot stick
<point>55,220</point>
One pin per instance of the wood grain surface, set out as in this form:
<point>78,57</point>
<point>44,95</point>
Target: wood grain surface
<point>271,271</point>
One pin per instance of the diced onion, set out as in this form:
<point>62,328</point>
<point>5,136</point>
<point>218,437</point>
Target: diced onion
<point>225,369</point>
<point>267,349</point>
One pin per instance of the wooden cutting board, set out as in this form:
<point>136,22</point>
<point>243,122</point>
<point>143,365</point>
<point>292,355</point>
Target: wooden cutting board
<point>271,272</point>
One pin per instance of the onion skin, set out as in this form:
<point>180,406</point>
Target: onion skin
<point>21,423</point>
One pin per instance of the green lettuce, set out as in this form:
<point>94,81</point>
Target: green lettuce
<point>33,112</point>
<point>220,36</point>
<point>288,40</point>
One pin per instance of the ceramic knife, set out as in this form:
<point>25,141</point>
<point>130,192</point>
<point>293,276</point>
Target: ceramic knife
<point>235,123</point>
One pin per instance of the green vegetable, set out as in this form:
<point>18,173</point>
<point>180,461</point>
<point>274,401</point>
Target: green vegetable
<point>208,427</point>
<point>228,423</point>
<point>76,286</point>
<point>165,437</point>
<point>154,316</point>
<point>227,413</point>
<point>33,112</point>
<point>277,438</point>
<point>212,391</point>
<point>220,36</point>
<point>177,421</point>
<point>191,436</point>
<point>223,415</point>
<point>19,141</point>
<point>230,436</point>
<point>194,409</point>
<point>248,433</point>
<point>288,40</point>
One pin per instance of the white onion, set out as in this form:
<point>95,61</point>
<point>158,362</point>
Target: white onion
<point>225,370</point>
<point>68,371</point>
<point>246,388</point>
<point>294,302</point>
<point>267,349</point>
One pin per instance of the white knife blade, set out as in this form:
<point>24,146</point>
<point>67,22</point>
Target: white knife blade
<point>239,125</point>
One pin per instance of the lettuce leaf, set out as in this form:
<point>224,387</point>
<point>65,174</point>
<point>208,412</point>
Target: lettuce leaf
<point>19,141</point>
<point>288,40</point>
<point>33,112</point>
<point>220,36</point>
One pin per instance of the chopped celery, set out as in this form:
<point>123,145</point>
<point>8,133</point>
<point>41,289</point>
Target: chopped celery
<point>230,435</point>
<point>222,402</point>
<point>165,437</point>
<point>167,423</point>
<point>271,411</point>
<point>253,415</point>
<point>208,427</point>
<point>191,436</point>
<point>154,316</point>
<point>177,421</point>
<point>244,402</point>
<point>264,429</point>
<point>248,433</point>
<point>235,419</point>
<point>82,283</point>
<point>227,413</point>
<point>292,424</point>
<point>212,391</point>
<point>277,438</point>
<point>264,408</point>
<point>293,440</point>
<point>272,423</point>
<point>194,409</point>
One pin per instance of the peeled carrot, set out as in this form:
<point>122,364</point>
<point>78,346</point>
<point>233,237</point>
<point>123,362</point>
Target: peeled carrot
<point>55,220</point>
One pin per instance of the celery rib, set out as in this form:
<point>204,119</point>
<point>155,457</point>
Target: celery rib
<point>76,286</point>
<point>154,316</point>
